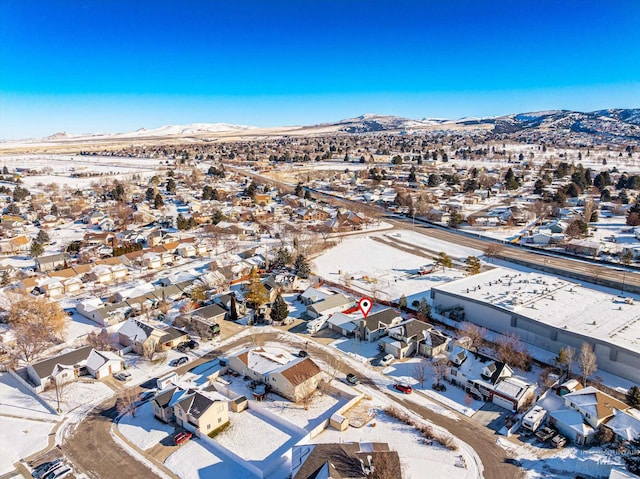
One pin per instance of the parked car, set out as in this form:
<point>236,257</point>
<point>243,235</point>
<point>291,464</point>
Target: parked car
<point>352,379</point>
<point>122,375</point>
<point>303,354</point>
<point>438,387</point>
<point>405,388</point>
<point>546,433</point>
<point>58,473</point>
<point>45,468</point>
<point>183,346</point>
<point>181,360</point>
<point>558,441</point>
<point>181,437</point>
<point>388,359</point>
<point>145,396</point>
<point>193,344</point>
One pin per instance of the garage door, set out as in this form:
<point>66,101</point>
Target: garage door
<point>499,401</point>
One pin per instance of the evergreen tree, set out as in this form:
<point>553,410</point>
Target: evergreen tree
<point>443,260</point>
<point>280,309</point>
<point>54,210</point>
<point>633,397</point>
<point>181,222</point>
<point>150,194</point>
<point>424,308</point>
<point>511,182</point>
<point>233,309</point>
<point>283,258</point>
<point>43,237</point>
<point>36,249</point>
<point>171,185</point>
<point>402,302</point>
<point>473,265</point>
<point>158,201</point>
<point>299,190</point>
<point>302,267</point>
<point>412,175</point>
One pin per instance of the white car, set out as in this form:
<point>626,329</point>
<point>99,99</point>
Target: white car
<point>388,359</point>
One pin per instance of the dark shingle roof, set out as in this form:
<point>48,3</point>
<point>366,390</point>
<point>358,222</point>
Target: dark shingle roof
<point>45,367</point>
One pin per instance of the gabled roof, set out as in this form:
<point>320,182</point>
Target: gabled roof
<point>333,301</point>
<point>172,333</point>
<point>385,316</point>
<point>45,367</point>
<point>595,402</point>
<point>195,403</point>
<point>209,312</point>
<point>299,371</point>
<point>97,359</point>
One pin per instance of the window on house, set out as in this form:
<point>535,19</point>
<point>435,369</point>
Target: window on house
<point>219,420</point>
<point>454,372</point>
<point>208,426</point>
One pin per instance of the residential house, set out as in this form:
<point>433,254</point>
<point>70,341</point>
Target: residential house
<point>162,404</point>
<point>313,295</point>
<point>104,314</point>
<point>201,413</point>
<point>342,460</point>
<point>331,304</point>
<point>64,367</point>
<point>624,426</point>
<point>286,374</point>
<point>101,364</point>
<point>413,337</point>
<point>17,244</point>
<point>141,336</point>
<point>343,324</point>
<point>479,375</point>
<point>51,262</point>
<point>375,325</point>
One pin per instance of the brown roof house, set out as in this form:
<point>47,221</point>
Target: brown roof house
<point>344,461</point>
<point>286,374</point>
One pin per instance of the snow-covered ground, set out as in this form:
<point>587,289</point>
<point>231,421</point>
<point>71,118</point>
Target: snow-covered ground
<point>143,429</point>
<point>77,394</point>
<point>16,400</point>
<point>20,438</point>
<point>384,271</point>
<point>195,461</point>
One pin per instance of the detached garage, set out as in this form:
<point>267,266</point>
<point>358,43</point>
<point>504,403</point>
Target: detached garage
<point>101,364</point>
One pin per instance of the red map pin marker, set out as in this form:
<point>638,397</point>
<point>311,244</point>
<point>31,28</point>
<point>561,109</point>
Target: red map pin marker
<point>365,305</point>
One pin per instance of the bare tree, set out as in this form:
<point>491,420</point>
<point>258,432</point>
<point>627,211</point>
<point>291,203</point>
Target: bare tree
<point>100,341</point>
<point>513,352</point>
<point>493,250</point>
<point>37,324</point>
<point>126,403</point>
<point>149,350</point>
<point>60,384</point>
<point>439,367</point>
<point>587,362</point>
<point>333,366</point>
<point>307,391</point>
<point>384,465</point>
<point>419,371</point>
<point>475,333</point>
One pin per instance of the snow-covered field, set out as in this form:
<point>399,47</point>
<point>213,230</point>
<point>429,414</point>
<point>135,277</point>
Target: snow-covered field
<point>195,461</point>
<point>77,394</point>
<point>143,429</point>
<point>390,271</point>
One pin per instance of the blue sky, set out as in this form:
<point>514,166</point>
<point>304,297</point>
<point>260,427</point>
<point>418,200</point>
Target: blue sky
<point>118,65</point>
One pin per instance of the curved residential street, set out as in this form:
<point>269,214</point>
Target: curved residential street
<point>94,451</point>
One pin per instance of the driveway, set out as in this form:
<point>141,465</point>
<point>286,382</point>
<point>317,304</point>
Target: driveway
<point>491,416</point>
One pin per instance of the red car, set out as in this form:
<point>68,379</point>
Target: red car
<point>182,437</point>
<point>405,388</point>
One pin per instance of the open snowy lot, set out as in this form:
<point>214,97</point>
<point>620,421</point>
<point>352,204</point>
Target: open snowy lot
<point>143,429</point>
<point>77,394</point>
<point>195,461</point>
<point>381,270</point>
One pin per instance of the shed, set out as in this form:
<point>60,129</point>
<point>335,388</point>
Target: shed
<point>239,404</point>
<point>338,422</point>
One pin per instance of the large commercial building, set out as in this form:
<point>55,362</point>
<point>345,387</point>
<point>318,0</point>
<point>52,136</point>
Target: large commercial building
<point>550,313</point>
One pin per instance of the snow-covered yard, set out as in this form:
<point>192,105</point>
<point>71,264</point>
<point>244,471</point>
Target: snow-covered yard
<point>77,394</point>
<point>20,438</point>
<point>16,400</point>
<point>195,461</point>
<point>417,458</point>
<point>143,429</point>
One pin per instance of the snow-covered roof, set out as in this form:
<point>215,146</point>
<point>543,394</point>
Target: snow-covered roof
<point>512,387</point>
<point>97,359</point>
<point>554,301</point>
<point>572,419</point>
<point>266,360</point>
<point>624,425</point>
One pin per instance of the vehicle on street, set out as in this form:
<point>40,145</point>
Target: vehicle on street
<point>558,441</point>
<point>145,396</point>
<point>545,434</point>
<point>122,375</point>
<point>438,387</point>
<point>183,346</point>
<point>303,353</point>
<point>352,379</point>
<point>405,388</point>
<point>45,468</point>
<point>181,360</point>
<point>388,359</point>
<point>193,344</point>
<point>181,437</point>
